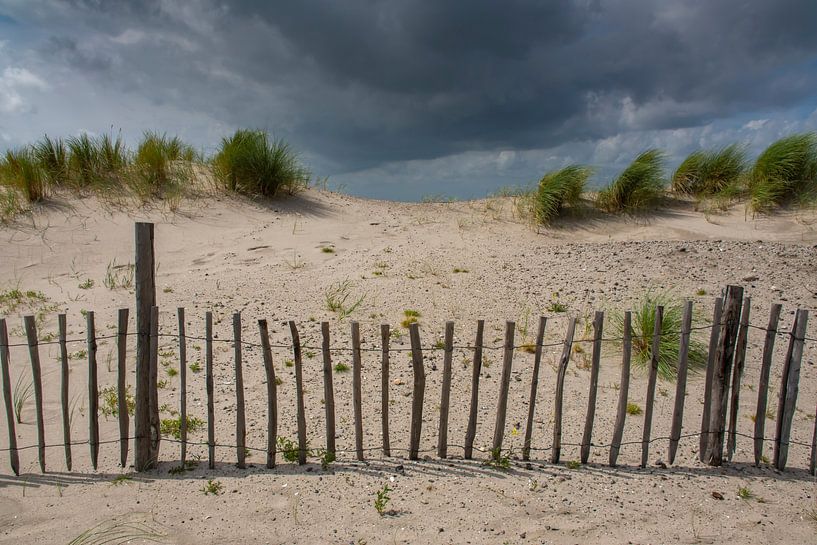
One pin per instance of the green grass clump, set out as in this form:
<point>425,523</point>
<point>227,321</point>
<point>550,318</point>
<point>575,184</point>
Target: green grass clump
<point>173,426</point>
<point>643,324</point>
<point>710,172</point>
<point>109,401</point>
<point>560,189</point>
<point>638,187</point>
<point>634,409</point>
<point>785,172</point>
<point>248,162</point>
<point>161,164</point>
<point>22,171</point>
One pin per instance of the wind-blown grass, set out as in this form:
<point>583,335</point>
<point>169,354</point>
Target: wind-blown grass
<point>160,164</point>
<point>643,324</point>
<point>638,187</point>
<point>21,170</point>
<point>710,172</point>
<point>84,161</point>
<point>785,172</point>
<point>249,162</point>
<point>53,158</point>
<point>559,189</point>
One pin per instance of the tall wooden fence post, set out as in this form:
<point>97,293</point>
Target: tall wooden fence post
<point>272,395</point>
<point>357,389</point>
<point>182,384</point>
<point>703,440</point>
<point>534,387</point>
<point>14,459</point>
<point>556,452</point>
<point>681,382</point>
<point>476,368</point>
<point>763,384</point>
<point>240,422</point>
<point>789,388</point>
<point>624,387</point>
<point>654,356</point>
<point>299,392</point>
<point>418,391</point>
<point>93,391</point>
<point>587,438</point>
<point>66,414</point>
<point>737,376</point>
<point>504,386</point>
<point>445,395</point>
<point>385,335</point>
<point>209,385</point>
<point>328,390</point>
<point>724,358</point>
<point>121,384</point>
<point>145,275</point>
<point>36,375</point>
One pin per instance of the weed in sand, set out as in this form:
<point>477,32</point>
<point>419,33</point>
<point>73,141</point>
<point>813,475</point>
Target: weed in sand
<point>382,500</point>
<point>20,396</point>
<point>212,487</point>
<point>109,401</point>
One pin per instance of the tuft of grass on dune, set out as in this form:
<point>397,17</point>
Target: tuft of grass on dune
<point>643,325</point>
<point>560,189</point>
<point>21,171</point>
<point>52,155</point>
<point>161,165</point>
<point>249,162</point>
<point>785,173</point>
<point>713,172</point>
<point>638,187</point>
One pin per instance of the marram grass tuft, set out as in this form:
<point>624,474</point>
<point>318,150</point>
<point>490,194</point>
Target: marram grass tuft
<point>786,172</point>
<point>638,187</point>
<point>559,189</point>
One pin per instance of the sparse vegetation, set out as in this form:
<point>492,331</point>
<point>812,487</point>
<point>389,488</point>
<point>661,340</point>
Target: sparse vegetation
<point>109,401</point>
<point>212,487</point>
<point>634,409</point>
<point>705,173</point>
<point>161,165</point>
<point>573,464</point>
<point>410,317</point>
<point>20,396</point>
<point>382,500</point>
<point>172,426</point>
<point>341,368</point>
<point>337,299</point>
<point>119,276</point>
<point>638,187</point>
<point>499,459</point>
<point>22,171</point>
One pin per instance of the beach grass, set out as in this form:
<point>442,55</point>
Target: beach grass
<point>639,187</point>
<point>559,189</point>
<point>785,173</point>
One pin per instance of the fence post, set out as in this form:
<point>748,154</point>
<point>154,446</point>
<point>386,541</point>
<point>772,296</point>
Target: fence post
<point>587,438</point>
<point>556,451</point>
<point>681,382</point>
<point>145,275</point>
<point>299,392</point>
<point>66,417</point>
<point>534,387</point>
<point>703,441</point>
<point>121,386</point>
<point>384,387</point>
<point>445,396</point>
<point>721,372</point>
<point>14,459</point>
<point>418,392</point>
<point>624,387</point>
<point>476,367</point>
<point>240,422</point>
<point>737,375</point>
<point>789,388</point>
<point>763,385</point>
<point>648,410</point>
<point>93,391</point>
<point>328,389</point>
<point>357,389</point>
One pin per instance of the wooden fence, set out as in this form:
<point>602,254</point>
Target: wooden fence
<point>718,433</point>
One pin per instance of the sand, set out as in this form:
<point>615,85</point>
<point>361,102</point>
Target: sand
<point>271,260</point>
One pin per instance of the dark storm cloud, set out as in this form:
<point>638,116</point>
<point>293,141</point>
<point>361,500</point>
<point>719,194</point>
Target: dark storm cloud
<point>360,83</point>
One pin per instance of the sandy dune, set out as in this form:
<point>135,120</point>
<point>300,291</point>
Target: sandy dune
<point>273,260</point>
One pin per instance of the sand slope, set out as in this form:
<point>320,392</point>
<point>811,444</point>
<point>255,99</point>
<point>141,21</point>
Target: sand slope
<point>268,260</point>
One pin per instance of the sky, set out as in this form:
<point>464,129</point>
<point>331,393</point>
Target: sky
<point>402,100</point>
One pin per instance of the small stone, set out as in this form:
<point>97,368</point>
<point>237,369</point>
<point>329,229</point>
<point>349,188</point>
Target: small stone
<point>750,278</point>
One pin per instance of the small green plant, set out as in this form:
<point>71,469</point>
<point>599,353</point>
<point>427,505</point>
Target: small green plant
<point>289,363</point>
<point>87,284</point>
<point>382,500</point>
<point>22,393</point>
<point>341,368</point>
<point>109,401</point>
<point>287,448</point>
<point>278,381</point>
<point>638,187</point>
<point>188,465</point>
<point>499,459</point>
<point>212,487</point>
<point>173,426</point>
<point>327,458</point>
<point>327,250</point>
<point>744,493</point>
<point>195,366</point>
<point>337,299</point>
<point>573,464</point>
<point>119,276</point>
<point>172,371</point>
<point>633,409</point>
<point>410,317</point>
<point>700,292</point>
<point>557,306</point>
<point>121,479</point>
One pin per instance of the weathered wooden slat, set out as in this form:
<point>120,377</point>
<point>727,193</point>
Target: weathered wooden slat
<point>182,384</point>
<point>681,382</point>
<point>587,437</point>
<point>209,384</point>
<point>763,383</point>
<point>357,389</point>
<point>624,387</point>
<point>34,354</point>
<point>476,368</point>
<point>556,452</point>
<point>534,387</point>
<point>418,391</point>
<point>299,392</point>
<point>93,391</point>
<point>650,401</point>
<point>724,359</point>
<point>328,390</point>
<point>144,275</point>
<point>703,445</point>
<point>812,467</point>
<point>155,423</point>
<point>504,386</point>
<point>789,390</point>
<point>14,459</point>
<point>272,394</point>
<point>385,337</point>
<point>64,380</point>
<point>445,395</point>
<point>737,376</point>
<point>121,384</point>
<point>240,418</point>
